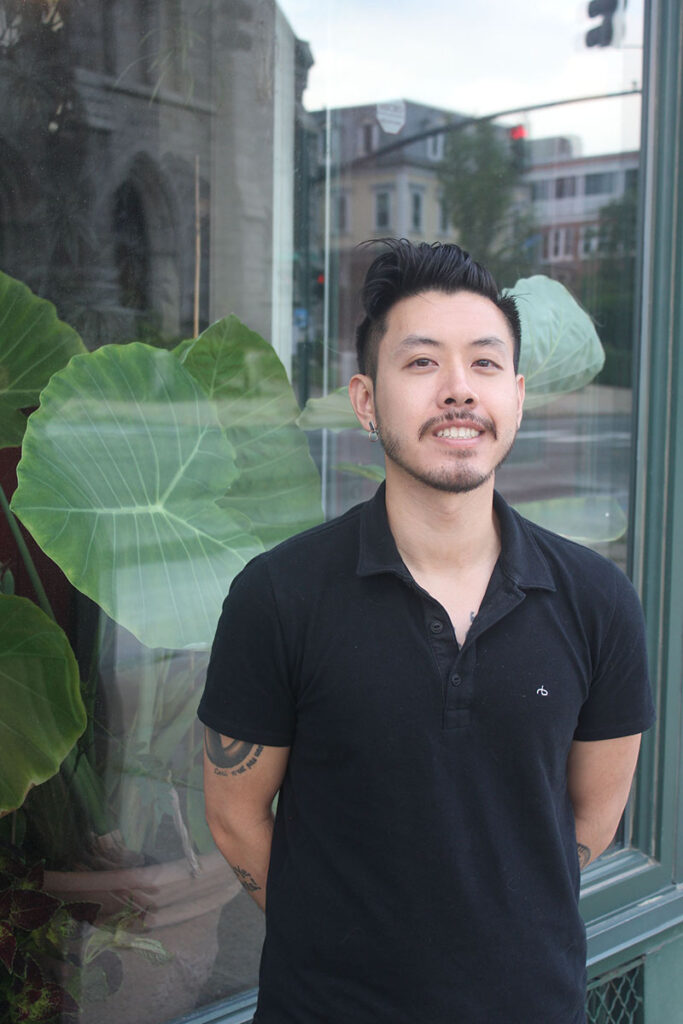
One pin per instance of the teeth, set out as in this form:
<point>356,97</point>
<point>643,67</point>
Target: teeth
<point>460,433</point>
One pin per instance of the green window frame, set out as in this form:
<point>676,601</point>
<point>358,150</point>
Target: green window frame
<point>630,899</point>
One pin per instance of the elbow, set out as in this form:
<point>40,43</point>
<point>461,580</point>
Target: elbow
<point>231,827</point>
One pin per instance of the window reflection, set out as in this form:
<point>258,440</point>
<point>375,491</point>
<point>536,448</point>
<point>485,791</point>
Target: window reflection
<point>165,164</point>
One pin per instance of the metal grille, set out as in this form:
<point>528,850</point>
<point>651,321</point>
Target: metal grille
<point>617,997</point>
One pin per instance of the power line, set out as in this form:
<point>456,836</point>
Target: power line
<point>467,121</point>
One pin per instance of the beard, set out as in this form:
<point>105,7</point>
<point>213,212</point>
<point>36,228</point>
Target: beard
<point>456,477</point>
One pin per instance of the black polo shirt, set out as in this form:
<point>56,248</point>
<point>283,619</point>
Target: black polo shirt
<point>424,864</point>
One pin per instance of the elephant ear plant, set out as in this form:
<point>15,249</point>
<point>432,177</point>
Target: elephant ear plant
<point>150,477</point>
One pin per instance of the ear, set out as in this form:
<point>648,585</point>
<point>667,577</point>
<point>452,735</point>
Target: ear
<point>521,391</point>
<point>362,395</point>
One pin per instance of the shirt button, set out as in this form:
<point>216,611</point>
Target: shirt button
<point>455,679</point>
<point>435,626</point>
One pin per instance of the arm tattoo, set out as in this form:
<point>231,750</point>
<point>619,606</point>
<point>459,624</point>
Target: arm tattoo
<point>228,755</point>
<point>246,879</point>
<point>584,855</point>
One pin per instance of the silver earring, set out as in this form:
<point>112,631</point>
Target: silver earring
<point>372,432</point>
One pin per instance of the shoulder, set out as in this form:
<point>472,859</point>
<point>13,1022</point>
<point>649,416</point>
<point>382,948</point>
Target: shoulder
<point>579,571</point>
<point>308,556</point>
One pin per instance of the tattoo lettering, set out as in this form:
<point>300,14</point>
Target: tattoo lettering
<point>584,855</point>
<point>246,879</point>
<point>234,755</point>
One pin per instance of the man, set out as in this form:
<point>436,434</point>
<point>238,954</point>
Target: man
<point>448,698</point>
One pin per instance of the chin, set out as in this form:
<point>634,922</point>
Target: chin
<point>448,480</point>
<point>463,483</point>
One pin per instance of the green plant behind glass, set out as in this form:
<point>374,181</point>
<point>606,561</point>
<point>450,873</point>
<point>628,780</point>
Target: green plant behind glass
<point>150,478</point>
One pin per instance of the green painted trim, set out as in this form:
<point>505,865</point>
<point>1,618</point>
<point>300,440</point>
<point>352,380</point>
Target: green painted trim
<point>620,879</point>
<point>658,506</point>
<point>634,930</point>
<point>663,983</point>
<point>617,892</point>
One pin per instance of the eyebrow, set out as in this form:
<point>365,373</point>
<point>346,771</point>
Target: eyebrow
<point>490,340</point>
<point>417,340</point>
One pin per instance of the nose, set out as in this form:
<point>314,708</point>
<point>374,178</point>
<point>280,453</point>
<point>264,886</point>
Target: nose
<point>456,389</point>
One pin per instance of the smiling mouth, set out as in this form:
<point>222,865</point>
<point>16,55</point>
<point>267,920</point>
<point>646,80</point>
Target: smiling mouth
<point>458,433</point>
<point>457,426</point>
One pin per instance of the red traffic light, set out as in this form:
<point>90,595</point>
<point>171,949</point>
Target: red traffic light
<point>517,132</point>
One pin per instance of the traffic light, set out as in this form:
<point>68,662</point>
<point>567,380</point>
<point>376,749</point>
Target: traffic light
<point>318,284</point>
<point>602,34</point>
<point>517,136</point>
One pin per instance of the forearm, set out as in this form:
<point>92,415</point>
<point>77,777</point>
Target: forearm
<point>247,851</point>
<point>599,775</point>
<point>591,841</point>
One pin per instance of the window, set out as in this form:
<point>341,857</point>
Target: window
<point>565,188</point>
<point>540,189</point>
<point>631,178</point>
<point>416,206</point>
<point>435,146</point>
<point>156,245</point>
<point>443,215</point>
<point>588,240</point>
<point>557,242</point>
<point>368,138</point>
<point>342,213</point>
<point>382,210</point>
<point>603,183</point>
<point>131,247</point>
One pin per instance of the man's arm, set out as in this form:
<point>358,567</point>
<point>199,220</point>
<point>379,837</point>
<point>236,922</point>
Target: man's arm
<point>599,776</point>
<point>240,783</point>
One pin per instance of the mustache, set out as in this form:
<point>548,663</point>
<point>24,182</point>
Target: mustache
<point>453,417</point>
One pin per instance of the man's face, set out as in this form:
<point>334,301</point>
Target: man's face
<point>446,400</point>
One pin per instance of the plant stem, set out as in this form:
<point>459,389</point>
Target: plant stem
<point>26,556</point>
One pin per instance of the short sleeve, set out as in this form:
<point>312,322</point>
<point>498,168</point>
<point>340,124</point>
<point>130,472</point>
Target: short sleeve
<point>247,694</point>
<point>619,702</point>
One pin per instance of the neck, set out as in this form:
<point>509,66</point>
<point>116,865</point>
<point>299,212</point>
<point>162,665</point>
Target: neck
<point>440,532</point>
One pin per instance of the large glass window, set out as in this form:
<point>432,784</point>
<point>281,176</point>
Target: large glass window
<point>169,166</point>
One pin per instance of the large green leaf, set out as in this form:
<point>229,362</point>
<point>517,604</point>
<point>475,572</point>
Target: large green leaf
<point>370,472</point>
<point>34,344</point>
<point>331,412</point>
<point>590,519</point>
<point>561,350</point>
<point>122,466</point>
<point>278,486</point>
<point>41,711</point>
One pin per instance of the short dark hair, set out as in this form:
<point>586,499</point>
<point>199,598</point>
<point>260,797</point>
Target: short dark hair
<point>404,269</point>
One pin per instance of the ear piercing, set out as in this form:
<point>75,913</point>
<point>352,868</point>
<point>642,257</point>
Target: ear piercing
<point>372,432</point>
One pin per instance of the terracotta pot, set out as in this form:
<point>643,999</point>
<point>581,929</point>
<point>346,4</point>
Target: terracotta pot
<point>181,912</point>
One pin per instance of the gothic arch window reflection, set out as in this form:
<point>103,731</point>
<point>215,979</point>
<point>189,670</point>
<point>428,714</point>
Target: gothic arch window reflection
<point>131,247</point>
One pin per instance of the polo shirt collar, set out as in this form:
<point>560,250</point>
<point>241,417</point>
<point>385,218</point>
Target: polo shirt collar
<point>522,561</point>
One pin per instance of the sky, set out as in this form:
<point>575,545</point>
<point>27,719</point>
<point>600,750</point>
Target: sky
<point>476,57</point>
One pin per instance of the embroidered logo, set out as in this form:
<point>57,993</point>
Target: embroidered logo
<point>542,692</point>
